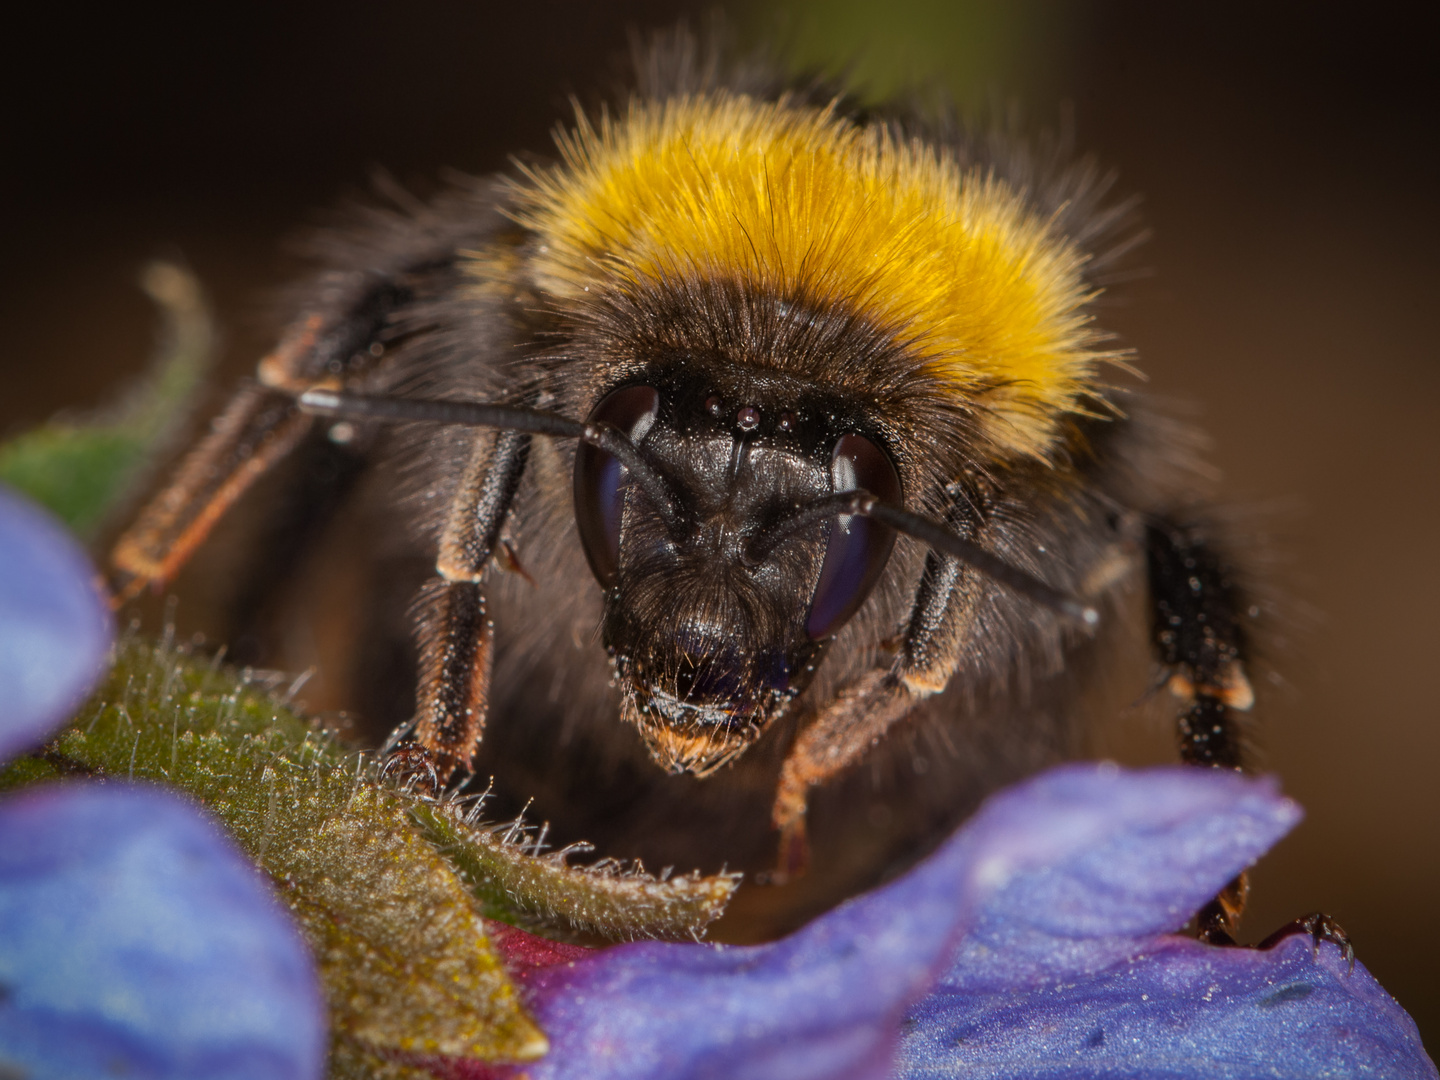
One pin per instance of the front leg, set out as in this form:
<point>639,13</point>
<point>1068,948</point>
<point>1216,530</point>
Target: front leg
<point>864,711</point>
<point>860,715</point>
<point>454,630</point>
<point>456,640</point>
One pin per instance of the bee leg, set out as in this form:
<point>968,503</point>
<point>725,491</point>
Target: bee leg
<point>861,713</point>
<point>259,426</point>
<point>1217,921</point>
<point>455,635</point>
<point>1202,645</point>
<point>456,640</point>
<point>1320,928</point>
<point>864,711</point>
<point>1201,642</point>
<point>256,430</point>
<point>345,336</point>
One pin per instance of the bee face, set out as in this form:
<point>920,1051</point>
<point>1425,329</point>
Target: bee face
<point>713,621</point>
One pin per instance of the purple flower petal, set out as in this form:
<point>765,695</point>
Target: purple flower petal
<point>1178,1009</point>
<point>135,940</point>
<point>1097,862</point>
<point>1075,871</point>
<point>55,630</point>
<point>1068,971</point>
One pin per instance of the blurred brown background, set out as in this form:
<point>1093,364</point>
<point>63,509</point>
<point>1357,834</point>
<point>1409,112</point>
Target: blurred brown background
<point>1290,167</point>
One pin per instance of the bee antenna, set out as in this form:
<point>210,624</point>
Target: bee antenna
<point>504,417</point>
<point>940,539</point>
<point>613,441</point>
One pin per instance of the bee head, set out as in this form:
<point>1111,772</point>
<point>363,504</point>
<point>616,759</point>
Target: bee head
<point>720,597</point>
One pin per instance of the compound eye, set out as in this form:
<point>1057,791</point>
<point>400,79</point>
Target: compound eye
<point>600,479</point>
<point>859,546</point>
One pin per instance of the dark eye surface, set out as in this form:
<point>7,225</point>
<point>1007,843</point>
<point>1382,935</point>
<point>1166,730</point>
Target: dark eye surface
<point>600,479</point>
<point>858,547</point>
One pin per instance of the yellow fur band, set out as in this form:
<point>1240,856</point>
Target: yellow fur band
<point>801,202</point>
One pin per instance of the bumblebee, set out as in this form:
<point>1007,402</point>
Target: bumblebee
<point>758,434</point>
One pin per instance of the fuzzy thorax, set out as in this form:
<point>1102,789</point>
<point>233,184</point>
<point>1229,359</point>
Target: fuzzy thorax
<point>805,204</point>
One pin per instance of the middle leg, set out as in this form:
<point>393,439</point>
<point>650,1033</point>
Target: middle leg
<point>1202,647</point>
<point>1199,633</point>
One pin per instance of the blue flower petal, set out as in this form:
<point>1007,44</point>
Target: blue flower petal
<point>55,630</point>
<point>1068,970</point>
<point>1097,862</point>
<point>1177,1009</point>
<point>136,941</point>
<point>1075,871</point>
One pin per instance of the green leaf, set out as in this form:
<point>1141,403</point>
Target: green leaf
<point>546,893</point>
<point>83,469</point>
